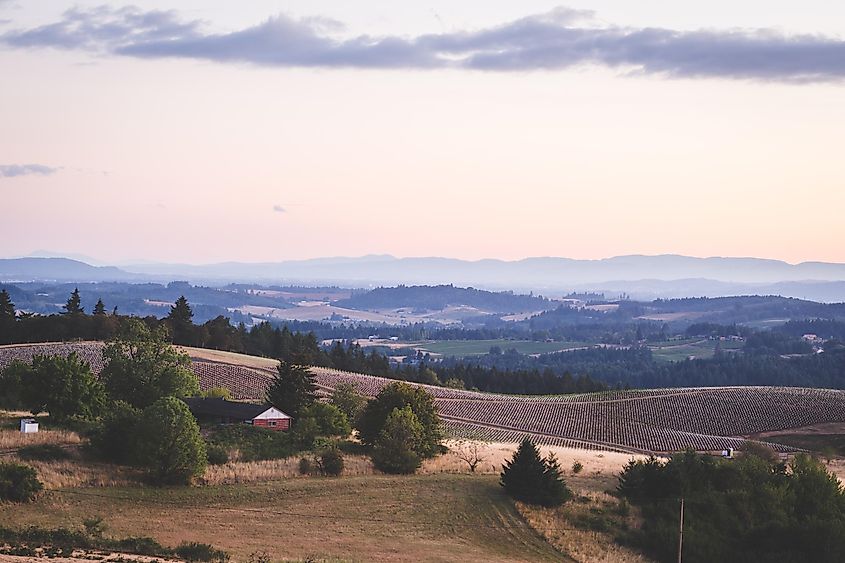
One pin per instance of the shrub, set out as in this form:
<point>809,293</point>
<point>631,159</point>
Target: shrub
<point>194,551</point>
<point>330,420</point>
<point>217,455</point>
<point>254,443</point>
<point>306,466</point>
<point>43,452</point>
<point>18,483</point>
<point>577,467</point>
<point>330,462</point>
<point>115,438</point>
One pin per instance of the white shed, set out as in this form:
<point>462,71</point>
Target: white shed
<point>29,426</point>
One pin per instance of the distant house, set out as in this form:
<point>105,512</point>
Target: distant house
<point>221,411</point>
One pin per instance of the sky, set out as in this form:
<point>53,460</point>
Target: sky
<point>207,131</point>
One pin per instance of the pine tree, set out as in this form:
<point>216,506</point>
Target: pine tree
<point>73,305</point>
<point>534,480</point>
<point>100,308</point>
<point>292,389</point>
<point>7,308</point>
<point>181,322</point>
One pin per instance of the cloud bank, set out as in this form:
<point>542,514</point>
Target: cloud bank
<point>12,170</point>
<point>556,40</point>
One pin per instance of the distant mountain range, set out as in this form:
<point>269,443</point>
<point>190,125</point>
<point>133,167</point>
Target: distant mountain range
<point>638,276</point>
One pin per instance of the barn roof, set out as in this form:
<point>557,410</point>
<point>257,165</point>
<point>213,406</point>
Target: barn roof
<point>224,408</point>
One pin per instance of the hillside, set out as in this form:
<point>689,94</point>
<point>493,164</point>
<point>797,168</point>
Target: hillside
<point>639,421</point>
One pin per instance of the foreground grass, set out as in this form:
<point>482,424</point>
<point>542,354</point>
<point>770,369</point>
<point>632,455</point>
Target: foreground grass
<point>368,518</point>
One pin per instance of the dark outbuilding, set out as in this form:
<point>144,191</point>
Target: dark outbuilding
<point>221,411</point>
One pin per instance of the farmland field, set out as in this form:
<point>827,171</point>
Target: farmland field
<point>677,351</point>
<point>636,421</point>
<point>478,347</point>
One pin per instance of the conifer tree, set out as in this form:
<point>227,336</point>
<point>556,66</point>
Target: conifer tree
<point>529,478</point>
<point>181,322</point>
<point>7,308</point>
<point>292,389</point>
<point>74,304</point>
<point>100,308</point>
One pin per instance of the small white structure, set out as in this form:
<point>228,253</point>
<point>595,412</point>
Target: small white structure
<point>29,426</point>
<point>728,453</point>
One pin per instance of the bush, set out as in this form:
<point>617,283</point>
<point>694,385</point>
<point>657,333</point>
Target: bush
<point>330,420</point>
<point>217,455</point>
<point>201,552</point>
<point>114,439</point>
<point>330,462</point>
<point>306,466</point>
<point>398,396</point>
<point>43,452</point>
<point>577,467</point>
<point>254,443</point>
<point>18,483</point>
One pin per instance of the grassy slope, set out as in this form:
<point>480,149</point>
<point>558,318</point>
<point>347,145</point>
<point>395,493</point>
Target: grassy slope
<point>373,518</point>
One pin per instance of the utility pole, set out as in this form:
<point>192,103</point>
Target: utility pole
<point>681,533</point>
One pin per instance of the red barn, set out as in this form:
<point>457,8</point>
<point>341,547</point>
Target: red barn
<point>221,411</point>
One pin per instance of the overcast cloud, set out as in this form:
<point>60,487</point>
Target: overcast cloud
<point>556,40</point>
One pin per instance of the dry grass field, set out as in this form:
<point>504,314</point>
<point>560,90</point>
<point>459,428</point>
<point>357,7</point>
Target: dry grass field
<point>370,518</point>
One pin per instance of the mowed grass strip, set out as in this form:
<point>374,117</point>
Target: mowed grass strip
<point>372,518</point>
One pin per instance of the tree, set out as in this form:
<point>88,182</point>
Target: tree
<point>395,450</point>
<point>7,318</point>
<point>181,323</point>
<point>141,367</point>
<point>330,461</point>
<point>347,398</point>
<point>331,421</point>
<point>73,305</point>
<point>100,308</point>
<point>292,389</point>
<point>534,480</point>
<point>7,308</point>
<point>471,452</point>
<point>63,386</point>
<point>398,396</point>
<point>169,442</point>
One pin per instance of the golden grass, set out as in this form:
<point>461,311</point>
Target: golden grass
<point>77,473</point>
<point>558,527</point>
<point>14,439</point>
<point>271,470</point>
<point>367,518</point>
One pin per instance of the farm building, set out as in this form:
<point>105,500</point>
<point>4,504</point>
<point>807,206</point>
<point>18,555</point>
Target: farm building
<point>221,411</point>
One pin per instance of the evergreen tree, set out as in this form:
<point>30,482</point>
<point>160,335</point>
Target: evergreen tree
<point>7,308</point>
<point>74,304</point>
<point>181,322</point>
<point>100,308</point>
<point>292,389</point>
<point>529,478</point>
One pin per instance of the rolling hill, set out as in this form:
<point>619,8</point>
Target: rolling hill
<point>637,421</point>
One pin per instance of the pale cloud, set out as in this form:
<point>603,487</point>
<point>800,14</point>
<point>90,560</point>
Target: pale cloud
<point>279,209</point>
<point>13,170</point>
<point>556,40</point>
